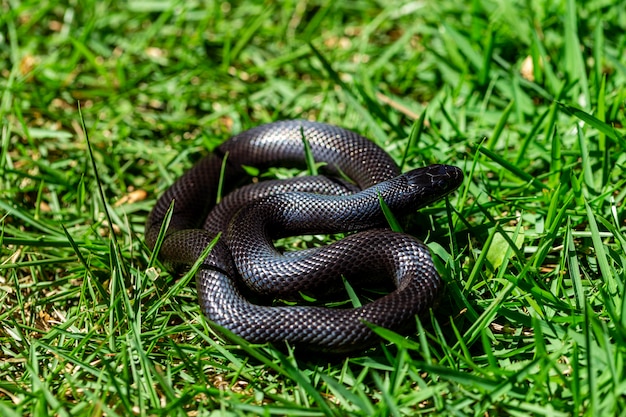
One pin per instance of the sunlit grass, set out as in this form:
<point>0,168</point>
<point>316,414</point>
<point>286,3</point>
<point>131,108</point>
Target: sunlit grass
<point>526,97</point>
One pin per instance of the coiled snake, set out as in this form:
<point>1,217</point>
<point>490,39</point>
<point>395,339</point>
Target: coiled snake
<point>245,259</point>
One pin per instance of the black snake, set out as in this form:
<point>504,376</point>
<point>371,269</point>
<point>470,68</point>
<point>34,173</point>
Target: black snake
<point>245,260</point>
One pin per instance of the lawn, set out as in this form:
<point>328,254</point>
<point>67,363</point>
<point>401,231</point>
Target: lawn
<point>104,104</point>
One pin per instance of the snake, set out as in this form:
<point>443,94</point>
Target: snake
<point>244,274</point>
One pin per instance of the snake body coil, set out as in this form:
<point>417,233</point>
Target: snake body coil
<point>252,217</point>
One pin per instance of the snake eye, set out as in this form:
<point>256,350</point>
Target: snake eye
<point>447,178</point>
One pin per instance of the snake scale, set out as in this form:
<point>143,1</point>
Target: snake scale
<point>245,261</point>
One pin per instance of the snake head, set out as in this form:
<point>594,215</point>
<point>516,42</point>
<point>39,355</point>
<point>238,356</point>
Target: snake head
<point>434,181</point>
<point>445,178</point>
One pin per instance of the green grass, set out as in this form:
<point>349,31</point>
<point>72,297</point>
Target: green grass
<point>526,97</point>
